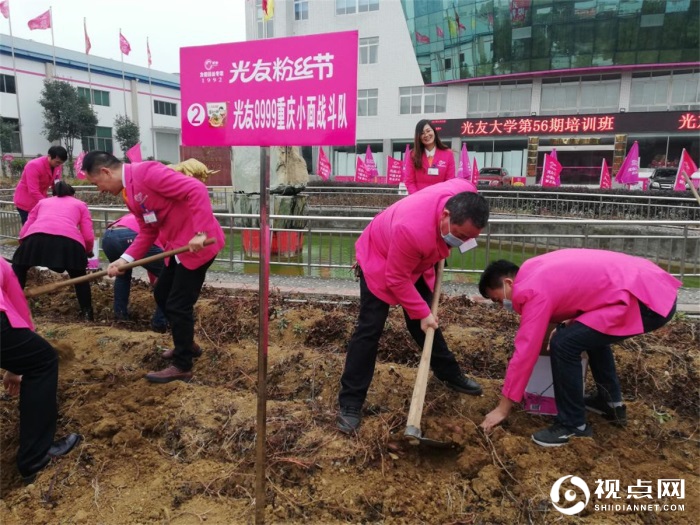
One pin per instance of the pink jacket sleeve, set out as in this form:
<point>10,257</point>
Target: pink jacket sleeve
<point>86,227</point>
<point>12,300</point>
<point>30,220</point>
<point>411,175</point>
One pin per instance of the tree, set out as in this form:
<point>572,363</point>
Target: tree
<point>67,115</point>
<point>126,132</point>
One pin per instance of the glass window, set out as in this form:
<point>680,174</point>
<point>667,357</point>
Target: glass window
<point>161,107</point>
<point>367,5</point>
<point>265,28</point>
<point>102,140</point>
<point>367,101</point>
<point>7,85</point>
<point>11,143</point>
<point>369,50</point>
<point>99,98</point>
<point>349,7</point>
<point>301,9</point>
<point>418,100</point>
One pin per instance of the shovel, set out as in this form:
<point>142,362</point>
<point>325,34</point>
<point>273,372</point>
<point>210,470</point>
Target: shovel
<point>413,432</point>
<point>47,288</point>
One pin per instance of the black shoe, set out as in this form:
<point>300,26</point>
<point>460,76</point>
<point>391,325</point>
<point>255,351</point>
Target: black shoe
<point>87,314</point>
<point>616,415</point>
<point>63,446</point>
<point>558,435</point>
<point>463,385</point>
<point>160,328</point>
<point>349,419</point>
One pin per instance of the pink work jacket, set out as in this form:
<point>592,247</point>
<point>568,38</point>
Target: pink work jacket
<point>403,243</point>
<point>64,216</point>
<point>37,178</point>
<point>417,179</point>
<point>12,300</point>
<point>173,205</point>
<point>597,288</point>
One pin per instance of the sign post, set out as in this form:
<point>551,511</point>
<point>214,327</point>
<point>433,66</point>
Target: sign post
<point>297,91</point>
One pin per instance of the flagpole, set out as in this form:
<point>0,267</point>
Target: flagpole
<point>126,114</point>
<point>150,90</point>
<point>88,63</point>
<point>14,70</point>
<point>53,45</point>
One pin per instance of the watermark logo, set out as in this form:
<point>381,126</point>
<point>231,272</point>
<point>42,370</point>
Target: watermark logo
<point>570,495</point>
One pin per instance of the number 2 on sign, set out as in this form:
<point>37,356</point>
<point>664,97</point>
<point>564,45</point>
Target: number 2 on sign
<point>195,114</point>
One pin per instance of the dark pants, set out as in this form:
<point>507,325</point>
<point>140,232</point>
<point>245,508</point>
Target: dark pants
<point>176,292</point>
<point>23,215</point>
<point>566,347</point>
<point>114,243</point>
<point>362,349</point>
<point>82,290</point>
<point>25,353</point>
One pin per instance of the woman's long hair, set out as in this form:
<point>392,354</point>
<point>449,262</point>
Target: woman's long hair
<point>418,148</point>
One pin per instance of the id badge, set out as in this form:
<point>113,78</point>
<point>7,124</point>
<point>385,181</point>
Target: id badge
<point>433,171</point>
<point>150,217</point>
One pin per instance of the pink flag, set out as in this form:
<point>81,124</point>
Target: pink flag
<point>394,170</point>
<point>370,164</point>
<point>324,165</point>
<point>687,166</point>
<point>439,31</point>
<point>629,171</point>
<point>88,45</point>
<point>78,166</point>
<point>361,174</point>
<point>148,52</point>
<point>605,180</point>
<point>422,39</point>
<point>5,8</point>
<point>464,171</point>
<point>43,21</point>
<point>550,172</point>
<point>124,44</point>
<point>553,154</point>
<point>406,160</point>
<point>134,153</point>
<point>475,173</point>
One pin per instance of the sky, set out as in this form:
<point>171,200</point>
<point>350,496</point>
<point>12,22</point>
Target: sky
<point>168,24</point>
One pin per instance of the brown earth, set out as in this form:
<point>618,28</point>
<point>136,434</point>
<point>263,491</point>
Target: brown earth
<point>185,453</point>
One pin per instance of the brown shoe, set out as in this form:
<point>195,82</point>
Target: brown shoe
<point>170,352</point>
<point>171,373</point>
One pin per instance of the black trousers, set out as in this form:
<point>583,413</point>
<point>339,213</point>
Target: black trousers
<point>176,293</point>
<point>25,353</point>
<point>362,348</point>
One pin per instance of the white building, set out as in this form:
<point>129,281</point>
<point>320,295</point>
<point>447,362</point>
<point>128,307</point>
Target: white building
<point>154,106</point>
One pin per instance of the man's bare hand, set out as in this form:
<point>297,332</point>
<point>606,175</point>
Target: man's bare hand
<point>197,242</point>
<point>114,268</point>
<point>429,322</point>
<point>12,382</point>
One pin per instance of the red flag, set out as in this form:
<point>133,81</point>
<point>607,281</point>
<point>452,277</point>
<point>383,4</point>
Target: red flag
<point>459,24</point>
<point>422,39</point>
<point>43,21</point>
<point>148,52</point>
<point>5,8</point>
<point>124,44</point>
<point>394,171</point>
<point>324,165</point>
<point>88,45</point>
<point>605,180</point>
<point>439,31</point>
<point>361,174</point>
<point>134,153</point>
<point>687,166</point>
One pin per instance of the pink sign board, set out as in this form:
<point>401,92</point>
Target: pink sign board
<point>299,91</point>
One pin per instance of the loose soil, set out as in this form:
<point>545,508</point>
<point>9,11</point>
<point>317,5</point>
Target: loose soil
<point>185,453</point>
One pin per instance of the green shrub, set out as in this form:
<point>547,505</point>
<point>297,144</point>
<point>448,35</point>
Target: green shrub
<point>17,166</point>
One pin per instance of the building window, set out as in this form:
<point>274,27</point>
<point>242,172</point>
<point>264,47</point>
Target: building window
<point>499,100</point>
<point>367,101</point>
<point>99,98</point>
<point>11,142</point>
<point>349,7</point>
<point>265,28</point>
<point>7,84</point>
<point>580,95</point>
<point>102,141</point>
<point>164,108</point>
<point>417,100</point>
<point>369,50</point>
<point>676,92</point>
<point>301,9</point>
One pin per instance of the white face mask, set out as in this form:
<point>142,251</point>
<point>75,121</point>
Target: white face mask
<point>507,303</point>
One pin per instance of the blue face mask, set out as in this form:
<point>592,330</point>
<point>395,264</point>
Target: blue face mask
<point>507,303</point>
<point>451,240</point>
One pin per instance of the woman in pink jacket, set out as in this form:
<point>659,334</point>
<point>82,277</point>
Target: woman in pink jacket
<point>430,160</point>
<point>58,234</point>
<point>597,298</point>
<point>37,177</point>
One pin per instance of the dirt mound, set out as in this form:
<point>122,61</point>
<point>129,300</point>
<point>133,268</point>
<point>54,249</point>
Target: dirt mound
<point>185,453</point>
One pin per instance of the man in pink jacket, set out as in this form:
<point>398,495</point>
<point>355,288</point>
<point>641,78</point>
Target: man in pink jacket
<point>597,298</point>
<point>31,366</point>
<point>176,210</point>
<point>37,177</point>
<point>396,255</point>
